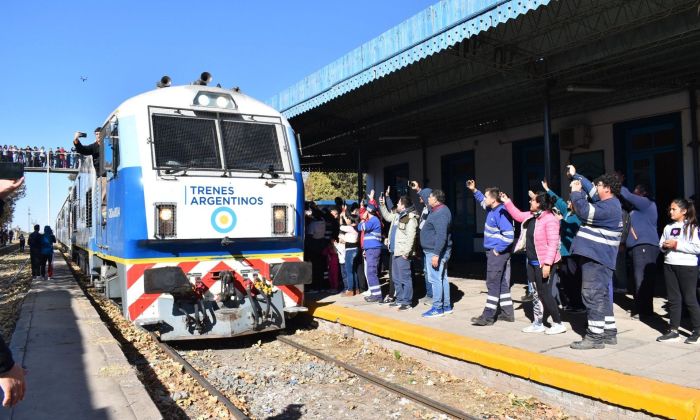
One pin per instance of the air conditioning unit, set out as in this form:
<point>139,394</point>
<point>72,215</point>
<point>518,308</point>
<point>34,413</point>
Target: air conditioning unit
<point>575,137</point>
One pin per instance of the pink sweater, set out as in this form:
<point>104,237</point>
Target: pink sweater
<point>546,233</point>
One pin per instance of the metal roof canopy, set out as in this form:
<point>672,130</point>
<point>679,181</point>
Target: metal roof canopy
<point>494,78</point>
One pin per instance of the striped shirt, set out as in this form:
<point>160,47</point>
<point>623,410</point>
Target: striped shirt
<point>601,229</point>
<point>373,233</point>
<point>498,228</point>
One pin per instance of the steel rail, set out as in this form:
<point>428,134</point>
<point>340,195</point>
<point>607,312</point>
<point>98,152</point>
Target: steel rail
<point>172,354</point>
<point>397,389</point>
<point>235,411</point>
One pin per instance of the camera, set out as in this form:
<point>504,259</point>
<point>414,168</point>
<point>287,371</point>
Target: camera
<point>81,134</point>
<point>11,170</point>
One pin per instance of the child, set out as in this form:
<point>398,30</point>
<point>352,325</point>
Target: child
<point>681,246</point>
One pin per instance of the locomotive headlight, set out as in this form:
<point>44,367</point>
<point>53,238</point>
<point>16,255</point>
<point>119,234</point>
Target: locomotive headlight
<point>279,219</point>
<point>222,102</point>
<point>214,100</point>
<point>165,215</point>
<point>203,100</point>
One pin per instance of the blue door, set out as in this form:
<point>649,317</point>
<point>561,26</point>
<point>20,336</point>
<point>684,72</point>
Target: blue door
<point>528,169</point>
<point>456,170</point>
<point>649,152</point>
<point>396,177</point>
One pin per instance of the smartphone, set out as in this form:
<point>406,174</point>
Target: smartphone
<point>11,170</point>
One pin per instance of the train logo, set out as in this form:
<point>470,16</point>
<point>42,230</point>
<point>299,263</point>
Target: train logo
<point>223,220</point>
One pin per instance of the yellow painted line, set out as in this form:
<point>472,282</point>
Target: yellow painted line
<point>634,392</point>
<point>182,259</point>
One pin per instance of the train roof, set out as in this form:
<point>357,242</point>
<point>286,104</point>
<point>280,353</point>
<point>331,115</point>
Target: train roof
<point>184,97</point>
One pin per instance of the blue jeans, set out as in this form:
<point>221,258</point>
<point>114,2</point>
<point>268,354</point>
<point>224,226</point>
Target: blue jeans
<point>401,276</point>
<point>439,282</point>
<point>428,286</point>
<point>349,275</point>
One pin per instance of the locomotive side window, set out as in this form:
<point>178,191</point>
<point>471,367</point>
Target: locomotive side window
<point>185,143</point>
<point>251,146</point>
<point>110,149</point>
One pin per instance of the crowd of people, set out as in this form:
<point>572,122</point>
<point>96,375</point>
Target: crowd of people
<point>39,157</point>
<point>573,253</point>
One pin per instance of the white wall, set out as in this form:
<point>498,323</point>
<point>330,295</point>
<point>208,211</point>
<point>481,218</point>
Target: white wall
<point>493,151</point>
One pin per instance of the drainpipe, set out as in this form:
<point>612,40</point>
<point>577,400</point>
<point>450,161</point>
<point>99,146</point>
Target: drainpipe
<point>694,140</point>
<point>547,135</point>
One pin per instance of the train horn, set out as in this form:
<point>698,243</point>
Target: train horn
<point>164,82</point>
<point>204,79</point>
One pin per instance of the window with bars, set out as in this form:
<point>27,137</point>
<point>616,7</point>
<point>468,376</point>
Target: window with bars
<point>251,146</point>
<point>185,143</point>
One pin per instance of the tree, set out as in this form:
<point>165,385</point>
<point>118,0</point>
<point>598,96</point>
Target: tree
<point>10,202</point>
<point>318,187</point>
<point>328,185</point>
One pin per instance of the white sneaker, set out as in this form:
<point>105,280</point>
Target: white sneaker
<point>534,328</point>
<point>366,293</point>
<point>556,329</point>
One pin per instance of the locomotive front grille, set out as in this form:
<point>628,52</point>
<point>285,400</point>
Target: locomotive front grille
<point>251,146</point>
<point>185,143</point>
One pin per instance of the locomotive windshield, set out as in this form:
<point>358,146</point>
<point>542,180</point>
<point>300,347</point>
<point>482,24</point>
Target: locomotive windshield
<point>251,146</point>
<point>185,143</point>
<point>182,142</point>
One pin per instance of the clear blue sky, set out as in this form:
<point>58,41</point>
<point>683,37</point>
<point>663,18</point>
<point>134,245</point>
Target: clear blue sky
<point>124,47</point>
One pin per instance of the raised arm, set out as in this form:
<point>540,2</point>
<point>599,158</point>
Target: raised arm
<point>386,214</point>
<point>478,196</point>
<point>515,213</point>
<point>637,201</point>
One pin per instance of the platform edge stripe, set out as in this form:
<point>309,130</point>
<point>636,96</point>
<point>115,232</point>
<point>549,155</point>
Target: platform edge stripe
<point>629,391</point>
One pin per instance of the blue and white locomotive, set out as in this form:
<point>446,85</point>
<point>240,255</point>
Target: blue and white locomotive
<point>194,220</point>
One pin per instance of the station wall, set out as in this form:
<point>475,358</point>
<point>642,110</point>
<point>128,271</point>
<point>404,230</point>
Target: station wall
<point>493,152</point>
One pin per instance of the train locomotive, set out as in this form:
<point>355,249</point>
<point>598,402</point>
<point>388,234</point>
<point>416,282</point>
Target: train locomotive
<point>191,218</point>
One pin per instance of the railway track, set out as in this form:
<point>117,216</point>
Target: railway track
<point>394,388</point>
<point>233,410</point>
<point>375,380</point>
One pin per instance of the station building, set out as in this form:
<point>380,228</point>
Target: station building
<point>510,92</point>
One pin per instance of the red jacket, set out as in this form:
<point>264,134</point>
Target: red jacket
<point>546,233</point>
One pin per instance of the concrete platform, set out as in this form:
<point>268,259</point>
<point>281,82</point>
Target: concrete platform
<point>637,373</point>
<point>76,368</point>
